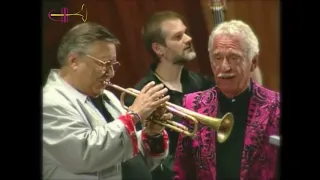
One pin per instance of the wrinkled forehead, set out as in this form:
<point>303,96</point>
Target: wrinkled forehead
<point>227,43</point>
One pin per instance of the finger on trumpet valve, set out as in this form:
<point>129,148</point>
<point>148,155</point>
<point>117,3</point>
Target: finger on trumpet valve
<point>159,112</point>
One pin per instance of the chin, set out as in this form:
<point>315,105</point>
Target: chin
<point>99,90</point>
<point>190,56</point>
<point>102,88</point>
<point>226,88</point>
<point>186,58</point>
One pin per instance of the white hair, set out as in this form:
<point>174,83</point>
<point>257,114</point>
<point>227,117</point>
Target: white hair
<point>238,28</point>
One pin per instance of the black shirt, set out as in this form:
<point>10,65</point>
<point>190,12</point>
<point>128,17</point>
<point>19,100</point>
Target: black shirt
<point>191,82</point>
<point>98,102</point>
<point>229,153</point>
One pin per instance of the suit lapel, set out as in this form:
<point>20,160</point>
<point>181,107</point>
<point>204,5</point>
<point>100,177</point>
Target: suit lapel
<point>94,117</point>
<point>254,133</point>
<point>208,106</point>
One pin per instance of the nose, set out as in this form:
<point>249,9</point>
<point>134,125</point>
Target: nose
<point>225,65</point>
<point>188,39</point>
<point>110,72</point>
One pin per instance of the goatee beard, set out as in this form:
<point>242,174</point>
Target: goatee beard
<point>183,60</point>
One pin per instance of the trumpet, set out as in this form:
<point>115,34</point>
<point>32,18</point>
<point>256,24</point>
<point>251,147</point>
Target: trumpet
<point>222,126</point>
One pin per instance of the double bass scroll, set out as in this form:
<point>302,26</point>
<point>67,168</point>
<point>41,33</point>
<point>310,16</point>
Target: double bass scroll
<point>218,9</point>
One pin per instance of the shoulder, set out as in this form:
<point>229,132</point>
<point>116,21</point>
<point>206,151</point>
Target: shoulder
<point>52,95</point>
<point>269,95</point>
<point>199,76</point>
<point>58,103</point>
<point>140,84</point>
<point>270,100</point>
<point>143,81</point>
<point>205,81</point>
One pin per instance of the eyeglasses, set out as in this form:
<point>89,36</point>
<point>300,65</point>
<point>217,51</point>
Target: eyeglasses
<point>106,64</point>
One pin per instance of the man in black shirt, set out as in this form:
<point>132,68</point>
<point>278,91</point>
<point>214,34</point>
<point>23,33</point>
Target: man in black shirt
<point>165,37</point>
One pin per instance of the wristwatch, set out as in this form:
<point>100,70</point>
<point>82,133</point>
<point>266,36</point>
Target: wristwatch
<point>136,115</point>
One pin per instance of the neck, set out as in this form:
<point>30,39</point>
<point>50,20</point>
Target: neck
<point>233,95</point>
<point>67,77</point>
<point>169,72</point>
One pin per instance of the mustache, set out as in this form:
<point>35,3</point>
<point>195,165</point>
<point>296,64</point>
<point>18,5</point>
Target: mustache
<point>225,75</point>
<point>189,46</point>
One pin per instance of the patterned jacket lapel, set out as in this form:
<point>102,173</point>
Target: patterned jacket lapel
<point>255,131</point>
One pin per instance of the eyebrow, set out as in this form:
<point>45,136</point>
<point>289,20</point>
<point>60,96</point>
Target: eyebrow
<point>103,57</point>
<point>108,58</point>
<point>101,60</point>
<point>179,32</point>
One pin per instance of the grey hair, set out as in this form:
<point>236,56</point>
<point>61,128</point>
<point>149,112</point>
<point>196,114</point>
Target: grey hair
<point>249,43</point>
<point>80,37</point>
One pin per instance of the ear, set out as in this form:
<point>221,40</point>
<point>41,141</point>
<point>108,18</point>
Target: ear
<point>157,48</point>
<point>254,63</point>
<point>73,60</point>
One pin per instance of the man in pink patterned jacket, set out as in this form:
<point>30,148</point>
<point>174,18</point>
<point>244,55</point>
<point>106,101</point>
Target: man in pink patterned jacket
<point>246,154</point>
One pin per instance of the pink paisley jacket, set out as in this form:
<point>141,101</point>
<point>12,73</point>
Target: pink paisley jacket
<point>196,158</point>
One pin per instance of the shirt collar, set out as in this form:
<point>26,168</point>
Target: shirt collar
<point>103,96</point>
<point>184,73</point>
<point>245,95</point>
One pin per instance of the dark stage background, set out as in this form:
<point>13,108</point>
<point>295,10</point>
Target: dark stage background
<point>125,18</point>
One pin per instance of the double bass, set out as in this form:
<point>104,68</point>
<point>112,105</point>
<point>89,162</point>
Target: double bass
<point>218,8</point>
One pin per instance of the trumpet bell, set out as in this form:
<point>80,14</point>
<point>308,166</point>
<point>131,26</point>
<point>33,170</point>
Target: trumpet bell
<point>225,128</point>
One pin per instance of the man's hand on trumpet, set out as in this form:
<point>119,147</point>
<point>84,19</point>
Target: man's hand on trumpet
<point>154,134</point>
<point>148,100</point>
<point>160,114</point>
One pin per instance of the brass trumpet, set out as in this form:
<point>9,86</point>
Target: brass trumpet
<point>223,126</point>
